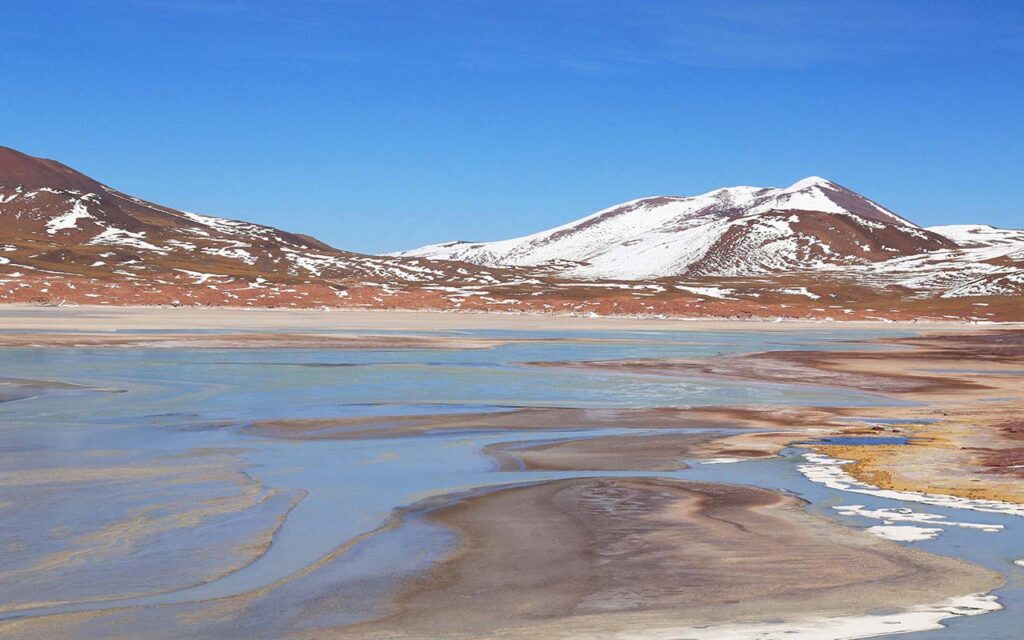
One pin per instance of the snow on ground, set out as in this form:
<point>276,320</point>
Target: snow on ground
<point>200,277</point>
<point>721,293</point>
<point>624,246</point>
<point>979,235</point>
<point>974,271</point>
<point>123,238</point>
<point>69,220</point>
<point>234,252</point>
<point>799,291</point>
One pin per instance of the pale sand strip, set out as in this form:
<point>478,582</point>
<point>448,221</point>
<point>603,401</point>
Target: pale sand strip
<point>103,318</point>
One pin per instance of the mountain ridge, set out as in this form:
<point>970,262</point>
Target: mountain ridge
<point>660,236</point>
<point>67,239</point>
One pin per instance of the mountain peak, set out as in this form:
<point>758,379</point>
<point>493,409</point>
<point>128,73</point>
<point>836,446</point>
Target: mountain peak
<point>19,169</point>
<point>808,182</point>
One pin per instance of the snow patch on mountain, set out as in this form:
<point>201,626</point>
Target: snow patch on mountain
<point>980,235</point>
<point>674,235</point>
<point>78,211</point>
<point>124,238</point>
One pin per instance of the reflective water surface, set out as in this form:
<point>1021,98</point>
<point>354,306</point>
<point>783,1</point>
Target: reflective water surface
<point>106,486</point>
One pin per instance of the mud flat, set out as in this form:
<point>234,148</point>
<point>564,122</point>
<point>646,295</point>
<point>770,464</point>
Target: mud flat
<point>967,427</point>
<point>641,557</point>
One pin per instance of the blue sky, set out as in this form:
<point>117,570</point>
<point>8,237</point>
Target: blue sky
<point>384,124</point>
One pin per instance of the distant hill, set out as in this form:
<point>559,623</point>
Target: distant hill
<point>735,231</point>
<point>55,220</point>
<point>811,250</point>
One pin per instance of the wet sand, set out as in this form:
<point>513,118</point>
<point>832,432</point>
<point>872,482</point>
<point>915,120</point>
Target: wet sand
<point>604,453</point>
<point>714,433</point>
<point>926,367</point>
<point>160,327</point>
<point>598,557</point>
<point>513,419</point>
<point>12,389</point>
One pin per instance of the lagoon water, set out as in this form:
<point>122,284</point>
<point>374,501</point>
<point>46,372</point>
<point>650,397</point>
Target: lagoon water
<point>140,409</point>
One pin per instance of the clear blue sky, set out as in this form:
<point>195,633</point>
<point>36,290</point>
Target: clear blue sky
<point>385,124</point>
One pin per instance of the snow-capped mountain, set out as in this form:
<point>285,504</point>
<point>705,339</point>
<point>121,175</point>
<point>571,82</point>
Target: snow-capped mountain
<point>734,231</point>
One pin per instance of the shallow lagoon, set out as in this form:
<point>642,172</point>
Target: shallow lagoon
<point>171,403</point>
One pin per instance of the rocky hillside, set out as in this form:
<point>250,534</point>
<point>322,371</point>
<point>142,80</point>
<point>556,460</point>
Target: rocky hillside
<point>107,245</point>
<point>812,250</point>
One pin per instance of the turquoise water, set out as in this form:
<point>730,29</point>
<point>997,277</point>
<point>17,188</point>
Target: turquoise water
<point>172,404</point>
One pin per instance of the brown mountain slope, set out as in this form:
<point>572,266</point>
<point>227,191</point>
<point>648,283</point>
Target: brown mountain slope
<point>66,238</point>
<point>55,221</point>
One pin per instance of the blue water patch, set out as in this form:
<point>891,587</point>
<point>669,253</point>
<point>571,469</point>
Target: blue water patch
<point>856,441</point>
<point>890,421</point>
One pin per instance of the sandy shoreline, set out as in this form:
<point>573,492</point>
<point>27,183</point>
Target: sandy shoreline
<point>105,319</point>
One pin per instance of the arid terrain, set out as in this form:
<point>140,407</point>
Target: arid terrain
<point>814,250</point>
